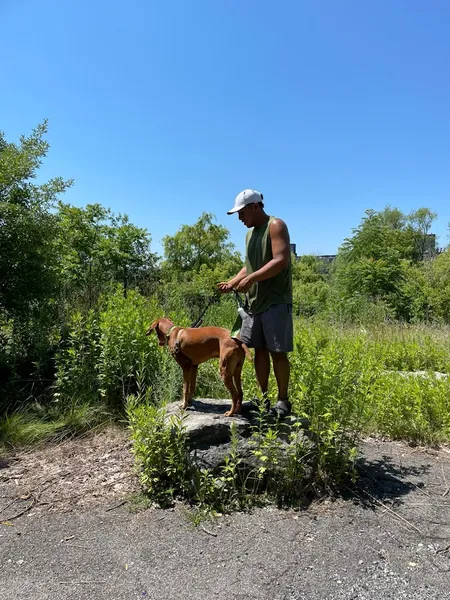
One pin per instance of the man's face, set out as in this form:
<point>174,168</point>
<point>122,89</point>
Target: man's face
<point>246,214</point>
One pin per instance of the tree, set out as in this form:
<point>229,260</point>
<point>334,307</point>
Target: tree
<point>203,243</point>
<point>374,261</point>
<point>97,248</point>
<point>195,259</point>
<point>28,272</point>
<point>29,278</point>
<point>421,220</point>
<point>438,277</point>
<point>125,255</point>
<point>310,285</point>
<point>77,244</point>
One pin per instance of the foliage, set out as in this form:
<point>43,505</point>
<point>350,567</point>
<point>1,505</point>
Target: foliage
<point>167,471</point>
<point>29,283</point>
<point>438,288</point>
<point>196,258</point>
<point>103,353</point>
<point>310,285</point>
<point>415,408</point>
<point>332,385</point>
<point>362,380</point>
<point>374,261</point>
<point>96,249</point>
<point>80,289</point>
<point>28,270</point>
<point>55,260</point>
<point>77,360</point>
<point>160,450</point>
<point>387,233</point>
<point>198,245</point>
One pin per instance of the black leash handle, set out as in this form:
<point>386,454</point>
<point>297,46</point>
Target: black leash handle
<point>238,299</point>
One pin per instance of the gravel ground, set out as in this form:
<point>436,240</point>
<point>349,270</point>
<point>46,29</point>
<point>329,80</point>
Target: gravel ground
<point>77,537</point>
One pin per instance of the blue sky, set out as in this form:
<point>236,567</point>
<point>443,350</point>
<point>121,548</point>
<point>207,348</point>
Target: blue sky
<point>163,110</point>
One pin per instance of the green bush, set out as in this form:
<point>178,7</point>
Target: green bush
<point>350,380</point>
<point>160,450</point>
<point>77,361</point>
<point>413,408</point>
<point>167,471</point>
<point>332,382</point>
<point>124,347</point>
<point>104,352</point>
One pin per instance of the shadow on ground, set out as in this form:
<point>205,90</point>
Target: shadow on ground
<point>382,480</point>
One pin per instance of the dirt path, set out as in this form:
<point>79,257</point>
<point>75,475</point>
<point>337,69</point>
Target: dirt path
<point>80,473</point>
<point>75,538</point>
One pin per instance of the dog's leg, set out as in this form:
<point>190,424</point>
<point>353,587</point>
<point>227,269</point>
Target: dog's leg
<point>186,365</point>
<point>192,383</point>
<point>227,377</point>
<point>186,385</point>
<point>238,384</point>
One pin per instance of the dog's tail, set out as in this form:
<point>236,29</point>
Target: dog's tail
<point>244,347</point>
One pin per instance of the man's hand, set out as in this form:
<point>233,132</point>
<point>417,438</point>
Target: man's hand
<point>224,287</point>
<point>245,284</point>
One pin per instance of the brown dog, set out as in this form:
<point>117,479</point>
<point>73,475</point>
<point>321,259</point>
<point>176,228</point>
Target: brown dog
<point>192,346</point>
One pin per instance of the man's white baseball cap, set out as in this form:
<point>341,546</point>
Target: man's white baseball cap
<point>244,198</point>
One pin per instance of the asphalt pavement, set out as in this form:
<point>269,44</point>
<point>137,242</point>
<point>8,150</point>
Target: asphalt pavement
<point>388,540</point>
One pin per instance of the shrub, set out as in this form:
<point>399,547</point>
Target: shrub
<point>77,361</point>
<point>413,408</point>
<point>167,470</point>
<point>160,450</point>
<point>332,383</point>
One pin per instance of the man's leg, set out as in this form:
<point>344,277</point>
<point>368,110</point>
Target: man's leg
<point>278,332</point>
<point>252,335</point>
<point>262,369</point>
<point>281,368</point>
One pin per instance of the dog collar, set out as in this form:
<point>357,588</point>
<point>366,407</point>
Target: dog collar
<point>169,332</point>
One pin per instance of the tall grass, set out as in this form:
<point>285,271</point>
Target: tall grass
<point>343,377</point>
<point>36,424</point>
<point>395,391</point>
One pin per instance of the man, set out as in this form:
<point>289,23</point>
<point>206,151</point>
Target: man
<point>267,280</point>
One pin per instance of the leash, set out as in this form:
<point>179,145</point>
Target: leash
<point>215,298</point>
<point>243,307</point>
<point>238,299</point>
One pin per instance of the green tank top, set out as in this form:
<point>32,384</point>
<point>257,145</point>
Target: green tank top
<point>276,290</point>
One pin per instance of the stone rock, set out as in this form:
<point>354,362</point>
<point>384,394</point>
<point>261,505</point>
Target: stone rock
<point>206,423</point>
<point>209,432</point>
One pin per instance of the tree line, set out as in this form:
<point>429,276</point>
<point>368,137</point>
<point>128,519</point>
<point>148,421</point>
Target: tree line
<point>57,260</point>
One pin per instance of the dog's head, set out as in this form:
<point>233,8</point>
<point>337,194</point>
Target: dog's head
<point>161,328</point>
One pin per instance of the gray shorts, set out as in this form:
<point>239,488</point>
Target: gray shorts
<point>270,329</point>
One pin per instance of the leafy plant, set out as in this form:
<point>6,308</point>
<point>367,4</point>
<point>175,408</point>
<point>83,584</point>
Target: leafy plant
<point>160,448</point>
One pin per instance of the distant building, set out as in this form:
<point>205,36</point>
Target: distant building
<point>429,249</point>
<point>328,258</point>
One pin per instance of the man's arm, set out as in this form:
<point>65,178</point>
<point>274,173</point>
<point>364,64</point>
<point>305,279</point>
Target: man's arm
<point>281,252</point>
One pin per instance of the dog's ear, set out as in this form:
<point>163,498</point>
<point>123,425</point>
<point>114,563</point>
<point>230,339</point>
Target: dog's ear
<point>153,327</point>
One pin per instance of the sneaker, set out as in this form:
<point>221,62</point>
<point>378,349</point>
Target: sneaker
<point>281,409</point>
